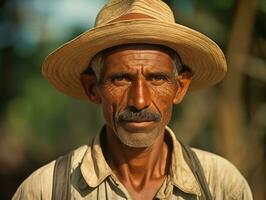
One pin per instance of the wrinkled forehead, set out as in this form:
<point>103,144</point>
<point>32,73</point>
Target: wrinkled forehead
<point>133,57</point>
<point>160,52</point>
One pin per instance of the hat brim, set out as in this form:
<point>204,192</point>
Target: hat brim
<point>203,56</point>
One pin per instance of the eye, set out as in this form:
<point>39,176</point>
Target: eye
<point>158,79</point>
<point>120,79</point>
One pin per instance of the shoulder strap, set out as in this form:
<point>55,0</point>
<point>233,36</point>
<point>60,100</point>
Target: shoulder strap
<point>195,166</point>
<point>61,178</point>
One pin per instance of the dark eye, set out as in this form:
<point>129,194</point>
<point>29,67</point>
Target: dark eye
<point>158,79</point>
<point>120,80</point>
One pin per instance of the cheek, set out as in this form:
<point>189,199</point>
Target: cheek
<point>163,98</point>
<point>112,101</point>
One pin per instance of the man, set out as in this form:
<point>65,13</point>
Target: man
<point>136,63</point>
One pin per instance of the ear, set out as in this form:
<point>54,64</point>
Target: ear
<point>183,81</point>
<point>89,83</point>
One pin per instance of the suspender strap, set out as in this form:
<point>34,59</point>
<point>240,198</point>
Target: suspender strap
<point>61,178</point>
<point>195,166</point>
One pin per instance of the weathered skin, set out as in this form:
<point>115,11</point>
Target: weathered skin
<point>137,78</point>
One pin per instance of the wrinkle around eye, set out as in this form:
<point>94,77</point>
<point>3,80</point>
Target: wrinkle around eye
<point>158,80</point>
<point>120,80</point>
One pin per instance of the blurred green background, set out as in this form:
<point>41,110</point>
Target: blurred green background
<point>38,123</point>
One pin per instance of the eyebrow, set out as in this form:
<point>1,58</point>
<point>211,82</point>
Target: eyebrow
<point>121,73</point>
<point>148,74</point>
<point>118,74</point>
<point>165,74</point>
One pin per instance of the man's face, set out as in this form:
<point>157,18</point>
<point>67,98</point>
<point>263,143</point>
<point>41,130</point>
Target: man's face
<point>137,90</point>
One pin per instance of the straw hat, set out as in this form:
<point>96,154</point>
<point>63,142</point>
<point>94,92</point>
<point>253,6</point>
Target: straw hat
<point>155,25</point>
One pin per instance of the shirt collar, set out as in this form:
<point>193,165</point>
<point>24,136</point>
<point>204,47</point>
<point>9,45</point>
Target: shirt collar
<point>95,169</point>
<point>180,173</point>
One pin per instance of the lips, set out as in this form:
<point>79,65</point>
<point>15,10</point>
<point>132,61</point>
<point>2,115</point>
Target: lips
<point>137,126</point>
<point>138,120</point>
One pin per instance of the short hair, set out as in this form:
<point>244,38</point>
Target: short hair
<point>97,63</point>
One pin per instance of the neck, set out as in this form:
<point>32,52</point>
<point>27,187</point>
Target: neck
<point>137,166</point>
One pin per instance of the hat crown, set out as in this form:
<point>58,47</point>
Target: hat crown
<point>115,9</point>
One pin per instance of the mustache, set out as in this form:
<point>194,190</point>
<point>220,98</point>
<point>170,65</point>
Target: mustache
<point>138,116</point>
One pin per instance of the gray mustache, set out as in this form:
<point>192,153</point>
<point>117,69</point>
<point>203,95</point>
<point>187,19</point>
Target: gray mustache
<point>143,115</point>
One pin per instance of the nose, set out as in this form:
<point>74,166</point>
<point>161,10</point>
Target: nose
<point>139,95</point>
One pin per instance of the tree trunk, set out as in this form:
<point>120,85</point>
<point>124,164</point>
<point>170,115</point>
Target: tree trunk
<point>231,116</point>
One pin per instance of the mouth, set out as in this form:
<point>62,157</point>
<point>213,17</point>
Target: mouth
<point>137,125</point>
<point>138,120</point>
